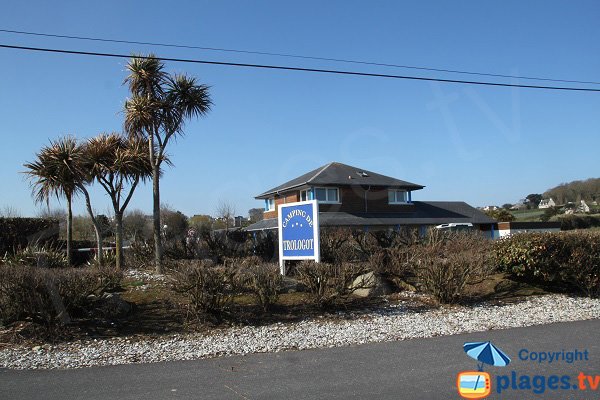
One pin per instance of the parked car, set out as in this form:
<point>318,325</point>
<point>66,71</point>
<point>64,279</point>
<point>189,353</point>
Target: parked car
<point>455,227</point>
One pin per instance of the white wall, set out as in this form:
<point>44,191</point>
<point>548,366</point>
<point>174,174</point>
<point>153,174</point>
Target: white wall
<point>507,232</point>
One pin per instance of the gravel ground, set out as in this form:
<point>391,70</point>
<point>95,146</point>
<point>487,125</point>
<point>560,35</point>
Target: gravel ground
<point>393,322</point>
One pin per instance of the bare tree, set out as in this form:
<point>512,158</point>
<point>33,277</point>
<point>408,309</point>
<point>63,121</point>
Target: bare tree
<point>10,212</point>
<point>137,225</point>
<point>225,211</point>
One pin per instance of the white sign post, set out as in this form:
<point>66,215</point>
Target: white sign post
<point>298,232</point>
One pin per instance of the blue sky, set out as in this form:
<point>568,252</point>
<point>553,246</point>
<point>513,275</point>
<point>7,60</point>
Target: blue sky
<point>482,145</point>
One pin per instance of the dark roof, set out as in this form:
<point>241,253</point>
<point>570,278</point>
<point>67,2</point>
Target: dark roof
<point>425,213</point>
<point>336,173</point>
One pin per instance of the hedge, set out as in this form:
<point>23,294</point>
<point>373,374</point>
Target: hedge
<point>568,259</point>
<point>570,222</point>
<point>18,233</point>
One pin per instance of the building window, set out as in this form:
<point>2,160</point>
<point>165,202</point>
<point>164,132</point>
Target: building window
<point>305,195</point>
<point>270,204</point>
<point>398,197</point>
<point>327,195</point>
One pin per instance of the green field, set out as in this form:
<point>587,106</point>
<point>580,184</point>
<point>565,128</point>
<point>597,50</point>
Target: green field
<point>528,215</point>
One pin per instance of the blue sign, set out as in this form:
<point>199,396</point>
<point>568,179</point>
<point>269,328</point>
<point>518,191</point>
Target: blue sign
<point>299,231</point>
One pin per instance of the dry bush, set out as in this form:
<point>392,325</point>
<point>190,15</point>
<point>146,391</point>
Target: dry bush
<point>140,254</point>
<point>328,283</point>
<point>222,245</point>
<point>51,296</point>
<point>370,243</point>
<point>262,280</point>
<point>447,263</point>
<point>75,286</point>
<point>263,244</point>
<point>23,295</point>
<point>210,289</point>
<point>394,263</point>
<point>337,245</point>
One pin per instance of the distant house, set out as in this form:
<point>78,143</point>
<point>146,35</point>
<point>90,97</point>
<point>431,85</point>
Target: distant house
<point>510,228</point>
<point>518,206</point>
<point>582,208</point>
<point>547,203</point>
<point>490,208</point>
<point>354,197</point>
<point>239,221</point>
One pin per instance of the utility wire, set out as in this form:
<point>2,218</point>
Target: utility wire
<point>341,60</point>
<point>285,68</point>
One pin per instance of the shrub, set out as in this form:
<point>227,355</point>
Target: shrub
<point>75,286</point>
<point>221,244</point>
<point>140,254</point>
<point>261,279</point>
<point>176,249</point>
<point>533,256</point>
<point>373,242</point>
<point>570,259</point>
<point>34,256</point>
<point>582,269</point>
<point>328,283</point>
<point>210,289</point>
<point>573,221</point>
<point>51,296</point>
<point>337,245</point>
<point>109,260</point>
<point>395,264</point>
<point>264,245</point>
<point>448,262</point>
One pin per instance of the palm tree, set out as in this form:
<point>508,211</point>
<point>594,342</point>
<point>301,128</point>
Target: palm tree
<point>118,165</point>
<point>156,112</point>
<point>56,172</point>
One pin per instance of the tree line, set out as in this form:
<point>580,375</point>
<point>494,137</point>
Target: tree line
<point>575,191</point>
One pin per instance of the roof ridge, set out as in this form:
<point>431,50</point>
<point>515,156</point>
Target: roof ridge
<point>320,171</point>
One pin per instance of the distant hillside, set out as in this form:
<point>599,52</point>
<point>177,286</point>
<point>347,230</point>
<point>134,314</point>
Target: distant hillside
<point>588,190</point>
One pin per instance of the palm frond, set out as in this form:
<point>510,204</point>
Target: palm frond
<point>146,76</point>
<point>187,96</point>
<point>141,114</point>
<point>57,170</point>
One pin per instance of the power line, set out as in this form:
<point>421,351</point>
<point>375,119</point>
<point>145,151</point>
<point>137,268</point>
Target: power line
<point>285,68</point>
<point>341,60</point>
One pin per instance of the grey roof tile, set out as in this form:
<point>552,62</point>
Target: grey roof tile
<point>336,173</point>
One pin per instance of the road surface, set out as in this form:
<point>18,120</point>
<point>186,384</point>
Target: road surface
<point>411,369</point>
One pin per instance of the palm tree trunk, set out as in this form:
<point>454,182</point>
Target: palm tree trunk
<point>69,229</point>
<point>156,207</point>
<point>156,216</point>
<point>97,229</point>
<point>119,240</point>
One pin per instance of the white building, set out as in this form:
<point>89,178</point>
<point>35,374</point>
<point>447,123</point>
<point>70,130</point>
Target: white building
<point>582,208</point>
<point>510,228</point>
<point>547,203</point>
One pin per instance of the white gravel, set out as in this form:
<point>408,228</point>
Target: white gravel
<point>394,322</point>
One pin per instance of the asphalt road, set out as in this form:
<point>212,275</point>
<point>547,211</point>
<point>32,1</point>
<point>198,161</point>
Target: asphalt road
<point>412,369</point>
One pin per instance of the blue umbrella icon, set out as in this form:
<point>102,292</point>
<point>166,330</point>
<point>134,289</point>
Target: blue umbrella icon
<point>486,353</point>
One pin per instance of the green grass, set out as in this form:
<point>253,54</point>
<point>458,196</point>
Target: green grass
<point>528,215</point>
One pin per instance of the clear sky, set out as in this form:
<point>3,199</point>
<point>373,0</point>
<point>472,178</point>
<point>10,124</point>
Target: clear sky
<point>483,145</point>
